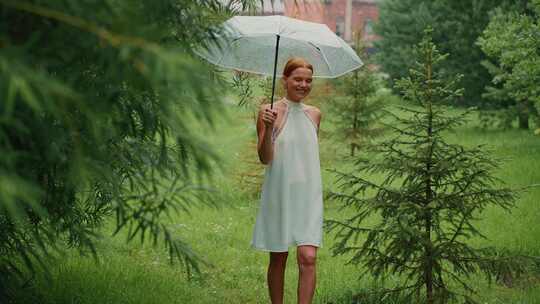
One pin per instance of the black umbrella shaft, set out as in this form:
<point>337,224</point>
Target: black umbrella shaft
<point>274,78</point>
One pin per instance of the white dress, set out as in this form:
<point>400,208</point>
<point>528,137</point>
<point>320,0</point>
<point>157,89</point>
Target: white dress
<point>291,206</point>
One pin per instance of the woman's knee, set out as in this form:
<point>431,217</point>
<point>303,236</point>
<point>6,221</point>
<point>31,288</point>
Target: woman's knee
<point>307,257</point>
<point>278,258</point>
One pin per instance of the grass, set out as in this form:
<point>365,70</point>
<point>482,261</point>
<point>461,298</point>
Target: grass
<point>140,273</point>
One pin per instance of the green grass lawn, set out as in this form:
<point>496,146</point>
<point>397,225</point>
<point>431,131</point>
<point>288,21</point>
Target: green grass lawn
<point>134,273</point>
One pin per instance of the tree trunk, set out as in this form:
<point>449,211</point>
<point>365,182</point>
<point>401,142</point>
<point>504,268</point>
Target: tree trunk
<point>428,248</point>
<point>355,123</point>
<point>523,114</point>
<point>428,267</point>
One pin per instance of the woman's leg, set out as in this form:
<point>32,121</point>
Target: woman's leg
<point>306,256</point>
<point>276,276</point>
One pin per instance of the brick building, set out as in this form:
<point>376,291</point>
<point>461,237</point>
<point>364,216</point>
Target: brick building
<point>347,18</point>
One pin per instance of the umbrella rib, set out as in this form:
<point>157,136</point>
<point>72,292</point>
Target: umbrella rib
<point>327,63</point>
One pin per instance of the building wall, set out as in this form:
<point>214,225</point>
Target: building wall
<point>332,13</point>
<point>364,15</point>
<point>307,10</point>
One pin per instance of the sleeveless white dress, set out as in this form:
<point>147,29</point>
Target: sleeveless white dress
<point>291,205</point>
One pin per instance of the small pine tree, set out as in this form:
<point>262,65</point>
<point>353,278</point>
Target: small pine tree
<point>417,221</point>
<point>358,110</point>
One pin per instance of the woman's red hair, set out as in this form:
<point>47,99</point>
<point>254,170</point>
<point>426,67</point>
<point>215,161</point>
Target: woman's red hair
<point>295,63</point>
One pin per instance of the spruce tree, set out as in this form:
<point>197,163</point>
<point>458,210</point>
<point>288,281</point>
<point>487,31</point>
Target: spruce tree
<point>358,108</point>
<point>415,222</point>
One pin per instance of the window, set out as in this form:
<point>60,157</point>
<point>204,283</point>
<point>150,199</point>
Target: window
<point>340,26</point>
<point>368,27</point>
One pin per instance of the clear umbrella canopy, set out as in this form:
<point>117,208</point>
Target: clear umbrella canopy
<point>248,43</point>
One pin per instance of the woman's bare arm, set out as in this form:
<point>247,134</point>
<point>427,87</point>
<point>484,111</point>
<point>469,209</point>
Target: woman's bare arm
<point>265,124</point>
<point>318,118</point>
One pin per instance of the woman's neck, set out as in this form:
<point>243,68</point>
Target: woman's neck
<point>291,99</point>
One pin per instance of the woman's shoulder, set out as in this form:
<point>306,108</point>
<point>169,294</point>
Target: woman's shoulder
<point>313,109</point>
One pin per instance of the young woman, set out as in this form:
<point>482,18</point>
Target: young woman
<point>291,209</point>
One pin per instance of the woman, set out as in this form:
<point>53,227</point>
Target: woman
<point>291,207</point>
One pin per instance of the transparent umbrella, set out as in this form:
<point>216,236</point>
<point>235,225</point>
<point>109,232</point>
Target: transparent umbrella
<point>263,45</point>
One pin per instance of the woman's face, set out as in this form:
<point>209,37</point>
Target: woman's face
<point>298,84</point>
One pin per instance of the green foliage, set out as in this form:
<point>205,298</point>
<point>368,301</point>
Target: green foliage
<point>358,108</point>
<point>512,40</point>
<point>97,100</point>
<point>252,90</point>
<point>242,82</point>
<point>399,31</point>
<point>415,224</point>
<point>457,24</point>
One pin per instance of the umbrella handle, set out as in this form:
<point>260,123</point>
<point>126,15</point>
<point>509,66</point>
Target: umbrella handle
<point>275,67</point>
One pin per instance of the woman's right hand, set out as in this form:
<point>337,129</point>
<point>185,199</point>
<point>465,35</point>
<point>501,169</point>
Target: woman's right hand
<point>269,117</point>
